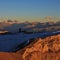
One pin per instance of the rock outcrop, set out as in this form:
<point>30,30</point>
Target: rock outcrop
<point>41,49</point>
<point>44,49</point>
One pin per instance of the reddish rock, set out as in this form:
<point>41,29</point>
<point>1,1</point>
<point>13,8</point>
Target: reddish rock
<point>41,49</point>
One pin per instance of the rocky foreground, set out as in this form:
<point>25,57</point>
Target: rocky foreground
<point>41,49</point>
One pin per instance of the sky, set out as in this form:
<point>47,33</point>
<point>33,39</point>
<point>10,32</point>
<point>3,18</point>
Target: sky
<point>30,10</point>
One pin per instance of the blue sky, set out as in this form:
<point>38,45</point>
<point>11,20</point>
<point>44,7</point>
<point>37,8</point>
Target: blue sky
<point>26,9</point>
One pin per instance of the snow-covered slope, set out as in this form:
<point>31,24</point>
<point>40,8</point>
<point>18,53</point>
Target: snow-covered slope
<point>10,42</point>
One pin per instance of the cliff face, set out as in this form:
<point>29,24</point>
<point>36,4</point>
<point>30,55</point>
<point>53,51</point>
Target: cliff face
<point>41,49</point>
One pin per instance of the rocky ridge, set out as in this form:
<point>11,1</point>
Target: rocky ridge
<point>41,49</point>
<point>47,47</point>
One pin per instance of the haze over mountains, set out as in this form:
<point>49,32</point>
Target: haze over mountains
<point>16,26</point>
